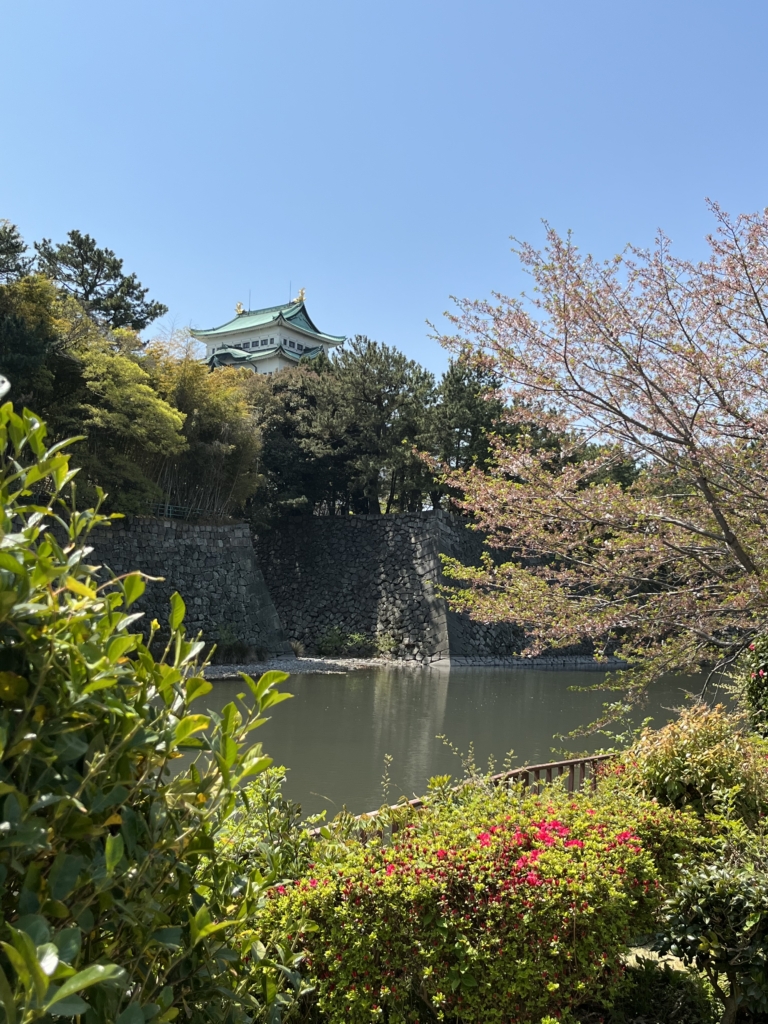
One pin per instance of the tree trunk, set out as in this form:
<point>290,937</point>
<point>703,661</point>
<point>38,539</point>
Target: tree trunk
<point>391,497</point>
<point>731,1002</point>
<point>372,491</point>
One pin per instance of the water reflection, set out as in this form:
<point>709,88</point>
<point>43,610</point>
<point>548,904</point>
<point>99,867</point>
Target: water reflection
<point>334,734</point>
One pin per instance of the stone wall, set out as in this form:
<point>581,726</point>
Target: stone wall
<point>213,568</point>
<point>376,576</point>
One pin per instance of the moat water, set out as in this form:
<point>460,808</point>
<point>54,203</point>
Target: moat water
<point>336,731</point>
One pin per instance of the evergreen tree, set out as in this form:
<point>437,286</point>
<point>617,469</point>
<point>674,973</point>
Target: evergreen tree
<point>95,278</point>
<point>14,263</point>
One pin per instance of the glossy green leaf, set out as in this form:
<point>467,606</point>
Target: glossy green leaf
<point>113,852</point>
<point>133,586</point>
<point>85,979</point>
<point>70,1006</point>
<point>48,958</point>
<point>196,687</point>
<point>11,564</point>
<point>178,609</point>
<point>190,725</point>
<point>132,1014</point>
<point>68,942</point>
<point>120,646</point>
<point>63,875</point>
<point>6,998</point>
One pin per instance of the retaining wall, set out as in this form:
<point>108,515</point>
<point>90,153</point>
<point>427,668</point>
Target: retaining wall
<point>377,576</point>
<point>214,569</point>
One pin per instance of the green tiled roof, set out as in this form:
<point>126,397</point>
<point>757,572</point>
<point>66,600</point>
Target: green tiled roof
<point>292,313</point>
<point>244,357</point>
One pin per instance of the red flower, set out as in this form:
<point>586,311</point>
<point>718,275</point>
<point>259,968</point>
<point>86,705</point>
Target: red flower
<point>313,882</point>
<point>574,842</point>
<point>442,854</point>
<point>484,838</point>
<point>390,868</point>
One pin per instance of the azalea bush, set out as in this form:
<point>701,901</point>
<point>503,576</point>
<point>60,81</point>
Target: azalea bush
<point>704,759</point>
<point>488,906</point>
<point>114,901</point>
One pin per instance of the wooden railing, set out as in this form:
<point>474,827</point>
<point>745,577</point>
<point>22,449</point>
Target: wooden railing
<point>579,771</point>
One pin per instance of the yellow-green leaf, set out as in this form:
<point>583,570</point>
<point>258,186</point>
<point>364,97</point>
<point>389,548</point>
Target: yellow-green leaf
<point>178,608</point>
<point>79,588</point>
<point>197,687</point>
<point>190,725</point>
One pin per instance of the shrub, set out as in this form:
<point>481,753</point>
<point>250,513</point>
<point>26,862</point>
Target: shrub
<point>717,919</point>
<point>700,760</point>
<point>486,907</point>
<point>336,642</point>
<point>360,644</point>
<point>267,831</point>
<point>751,684</point>
<point>332,643</point>
<point>386,643</point>
<point>109,889</point>
<point>651,992</point>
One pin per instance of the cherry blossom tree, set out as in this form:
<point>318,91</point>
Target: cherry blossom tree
<point>647,356</point>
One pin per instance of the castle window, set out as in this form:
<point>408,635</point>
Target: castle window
<point>291,345</point>
<point>265,341</point>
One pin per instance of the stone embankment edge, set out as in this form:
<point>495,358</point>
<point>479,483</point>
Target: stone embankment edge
<point>328,666</point>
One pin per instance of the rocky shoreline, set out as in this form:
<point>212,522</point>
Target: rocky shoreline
<point>336,666</point>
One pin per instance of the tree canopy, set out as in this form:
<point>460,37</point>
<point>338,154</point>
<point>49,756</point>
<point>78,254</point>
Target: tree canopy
<point>329,437</point>
<point>95,278</point>
<point>14,262</point>
<point>658,360</point>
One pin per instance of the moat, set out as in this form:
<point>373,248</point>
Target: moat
<point>335,733</point>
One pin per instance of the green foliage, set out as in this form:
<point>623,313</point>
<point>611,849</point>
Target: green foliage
<point>488,906</point>
<point>14,262</point>
<point>339,435</point>
<point>95,278</point>
<point>469,409</point>
<point>386,643</point>
<point>88,381</point>
<point>29,337</point>
<point>131,430</point>
<point>112,902</point>
<point>335,643</point>
<point>751,683</point>
<point>703,759</point>
<point>717,919</point>
<point>269,831</point>
<point>218,470</point>
<point>655,993</point>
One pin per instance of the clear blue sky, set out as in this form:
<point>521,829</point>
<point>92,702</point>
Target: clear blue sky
<point>377,154</point>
